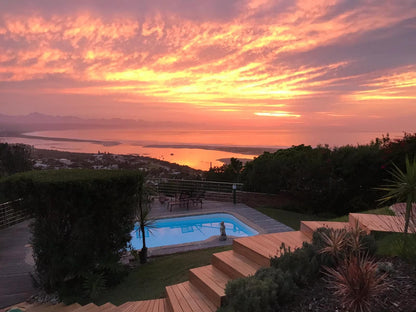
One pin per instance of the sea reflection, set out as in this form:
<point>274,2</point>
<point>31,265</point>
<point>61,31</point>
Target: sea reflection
<point>172,143</point>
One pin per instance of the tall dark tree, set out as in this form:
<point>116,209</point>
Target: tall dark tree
<point>14,158</point>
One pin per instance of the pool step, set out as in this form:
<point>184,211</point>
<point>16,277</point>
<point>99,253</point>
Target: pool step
<point>308,227</point>
<point>234,264</point>
<point>185,297</point>
<point>261,248</point>
<point>210,281</point>
<point>157,305</point>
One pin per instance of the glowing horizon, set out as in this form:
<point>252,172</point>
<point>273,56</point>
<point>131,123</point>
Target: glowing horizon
<point>274,64</point>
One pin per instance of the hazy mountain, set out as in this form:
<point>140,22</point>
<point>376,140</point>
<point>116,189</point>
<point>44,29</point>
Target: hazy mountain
<point>38,122</point>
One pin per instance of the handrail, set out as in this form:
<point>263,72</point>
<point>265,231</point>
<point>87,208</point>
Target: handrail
<point>11,202</point>
<point>197,181</point>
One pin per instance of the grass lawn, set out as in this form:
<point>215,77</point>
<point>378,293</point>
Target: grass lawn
<point>148,281</point>
<point>378,211</point>
<point>289,218</point>
<point>293,219</point>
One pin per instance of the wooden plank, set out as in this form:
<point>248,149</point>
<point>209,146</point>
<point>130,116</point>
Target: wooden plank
<point>234,264</point>
<point>260,246</point>
<point>88,307</point>
<point>191,300</point>
<point>70,308</point>
<point>292,239</point>
<point>125,306</point>
<point>215,280</point>
<point>242,248</point>
<point>210,281</point>
<point>204,303</point>
<point>172,300</point>
<point>175,296</point>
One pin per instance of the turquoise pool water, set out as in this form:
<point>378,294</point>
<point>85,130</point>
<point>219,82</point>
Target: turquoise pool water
<point>189,229</point>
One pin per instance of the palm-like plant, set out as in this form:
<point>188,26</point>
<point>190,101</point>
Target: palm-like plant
<point>402,188</point>
<point>143,219</point>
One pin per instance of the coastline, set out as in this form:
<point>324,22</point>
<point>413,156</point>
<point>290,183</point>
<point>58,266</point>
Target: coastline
<point>245,150</point>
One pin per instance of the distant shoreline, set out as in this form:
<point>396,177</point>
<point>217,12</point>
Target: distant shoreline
<point>245,150</point>
<point>37,137</point>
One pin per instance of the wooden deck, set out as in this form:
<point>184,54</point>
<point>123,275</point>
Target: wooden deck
<point>379,223</point>
<point>204,292</point>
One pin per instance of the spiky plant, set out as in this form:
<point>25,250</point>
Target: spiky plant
<point>356,282</point>
<point>335,242</point>
<point>354,239</point>
<point>402,188</point>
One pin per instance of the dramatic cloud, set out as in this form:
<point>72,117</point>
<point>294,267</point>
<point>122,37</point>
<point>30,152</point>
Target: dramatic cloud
<point>258,63</point>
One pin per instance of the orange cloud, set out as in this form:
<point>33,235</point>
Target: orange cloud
<point>305,57</point>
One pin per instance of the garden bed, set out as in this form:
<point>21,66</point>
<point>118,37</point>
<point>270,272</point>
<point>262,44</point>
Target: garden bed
<point>399,296</point>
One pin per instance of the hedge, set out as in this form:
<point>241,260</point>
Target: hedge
<point>82,223</point>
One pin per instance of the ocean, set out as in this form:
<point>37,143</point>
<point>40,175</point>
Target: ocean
<point>199,149</point>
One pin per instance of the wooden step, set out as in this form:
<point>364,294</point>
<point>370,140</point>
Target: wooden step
<point>249,249</point>
<point>156,305</point>
<point>308,227</point>
<point>41,307</point>
<point>185,297</point>
<point>70,308</point>
<point>210,281</point>
<point>379,223</point>
<point>90,307</point>
<point>107,307</point>
<point>234,264</point>
<point>261,248</point>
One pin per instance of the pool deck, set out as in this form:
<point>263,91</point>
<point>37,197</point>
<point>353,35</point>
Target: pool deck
<point>253,218</point>
<point>16,264</point>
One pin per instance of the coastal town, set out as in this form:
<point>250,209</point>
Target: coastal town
<point>53,159</point>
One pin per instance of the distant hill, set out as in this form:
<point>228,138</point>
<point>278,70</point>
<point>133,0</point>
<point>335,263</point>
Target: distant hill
<point>39,122</point>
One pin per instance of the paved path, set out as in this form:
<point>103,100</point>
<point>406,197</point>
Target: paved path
<point>16,263</point>
<point>255,219</point>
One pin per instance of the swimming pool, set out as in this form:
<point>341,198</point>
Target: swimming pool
<point>189,229</point>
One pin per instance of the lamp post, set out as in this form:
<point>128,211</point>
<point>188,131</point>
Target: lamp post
<point>234,193</point>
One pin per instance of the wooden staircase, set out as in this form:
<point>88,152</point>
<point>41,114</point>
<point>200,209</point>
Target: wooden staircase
<point>204,292</point>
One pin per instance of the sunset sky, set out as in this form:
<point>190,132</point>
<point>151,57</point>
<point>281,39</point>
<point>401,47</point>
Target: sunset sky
<point>346,65</point>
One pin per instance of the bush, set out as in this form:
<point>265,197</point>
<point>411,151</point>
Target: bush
<point>303,264</point>
<point>263,292</point>
<point>14,158</point>
<point>82,223</point>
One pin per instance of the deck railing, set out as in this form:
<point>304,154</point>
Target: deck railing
<point>176,186</point>
<point>12,212</point>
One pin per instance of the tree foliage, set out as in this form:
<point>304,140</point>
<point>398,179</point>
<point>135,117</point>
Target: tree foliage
<point>226,173</point>
<point>338,180</point>
<point>14,158</point>
<point>82,223</point>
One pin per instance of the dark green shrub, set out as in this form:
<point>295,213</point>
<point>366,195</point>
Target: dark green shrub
<point>303,264</point>
<point>14,158</point>
<point>82,223</point>
<point>266,291</point>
